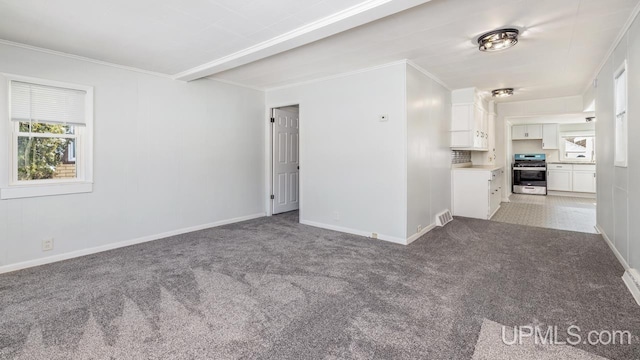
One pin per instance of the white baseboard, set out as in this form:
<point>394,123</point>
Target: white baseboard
<point>631,278</point>
<point>572,194</point>
<point>392,239</point>
<point>416,236</point>
<point>121,244</point>
<point>621,258</point>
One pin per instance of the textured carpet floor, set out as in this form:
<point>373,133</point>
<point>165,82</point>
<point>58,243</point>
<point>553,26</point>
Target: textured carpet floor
<point>274,289</point>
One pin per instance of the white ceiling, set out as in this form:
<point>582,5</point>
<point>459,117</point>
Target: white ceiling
<point>562,45</point>
<point>164,36</point>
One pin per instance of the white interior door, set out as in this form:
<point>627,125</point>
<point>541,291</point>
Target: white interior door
<point>285,161</point>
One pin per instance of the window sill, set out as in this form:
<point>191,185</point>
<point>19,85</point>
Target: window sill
<point>37,190</point>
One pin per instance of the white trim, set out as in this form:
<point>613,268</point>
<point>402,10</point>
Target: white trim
<point>11,188</point>
<point>572,194</point>
<point>614,45</point>
<point>337,76</point>
<point>82,58</point>
<point>229,82</point>
<point>388,238</point>
<point>40,189</point>
<point>622,69</point>
<point>631,278</point>
<point>621,259</point>
<point>405,153</point>
<point>428,74</point>
<point>360,14</point>
<point>94,250</point>
<point>416,236</point>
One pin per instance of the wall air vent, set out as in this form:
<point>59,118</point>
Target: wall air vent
<point>443,218</point>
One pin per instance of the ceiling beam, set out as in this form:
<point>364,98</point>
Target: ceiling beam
<point>363,13</point>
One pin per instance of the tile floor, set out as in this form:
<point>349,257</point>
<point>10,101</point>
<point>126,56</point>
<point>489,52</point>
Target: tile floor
<point>555,212</point>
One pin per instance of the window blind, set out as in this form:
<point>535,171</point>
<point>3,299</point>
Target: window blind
<point>41,103</point>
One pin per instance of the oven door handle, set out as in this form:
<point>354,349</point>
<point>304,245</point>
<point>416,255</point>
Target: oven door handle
<point>530,168</point>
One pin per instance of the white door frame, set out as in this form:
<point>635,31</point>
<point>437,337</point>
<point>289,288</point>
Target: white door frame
<point>268,159</point>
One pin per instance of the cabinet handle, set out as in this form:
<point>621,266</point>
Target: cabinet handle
<point>594,174</point>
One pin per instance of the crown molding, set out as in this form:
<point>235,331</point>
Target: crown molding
<point>82,58</point>
<point>428,74</point>
<point>614,45</point>
<point>336,76</point>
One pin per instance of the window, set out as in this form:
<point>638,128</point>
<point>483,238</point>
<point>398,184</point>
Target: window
<point>50,137</point>
<point>620,89</point>
<point>578,147</point>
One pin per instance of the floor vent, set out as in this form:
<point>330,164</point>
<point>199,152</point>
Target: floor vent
<point>443,218</point>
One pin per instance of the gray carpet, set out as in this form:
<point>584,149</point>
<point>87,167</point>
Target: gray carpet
<point>274,289</point>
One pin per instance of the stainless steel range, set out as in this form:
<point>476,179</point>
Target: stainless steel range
<point>530,174</point>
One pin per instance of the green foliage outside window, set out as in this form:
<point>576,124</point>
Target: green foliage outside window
<point>38,157</point>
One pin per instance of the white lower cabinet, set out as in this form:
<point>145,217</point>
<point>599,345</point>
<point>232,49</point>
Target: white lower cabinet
<point>584,178</point>
<point>571,178</point>
<point>476,192</point>
<point>559,180</point>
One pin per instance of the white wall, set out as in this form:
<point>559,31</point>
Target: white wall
<point>351,164</point>
<point>168,156</point>
<point>618,192</point>
<point>533,147</point>
<point>428,152</point>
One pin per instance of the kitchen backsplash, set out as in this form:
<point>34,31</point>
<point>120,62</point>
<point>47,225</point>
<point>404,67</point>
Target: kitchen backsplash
<point>460,156</point>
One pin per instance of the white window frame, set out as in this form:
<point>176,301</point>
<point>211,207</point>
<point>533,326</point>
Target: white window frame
<point>10,186</point>
<point>563,149</point>
<point>623,117</point>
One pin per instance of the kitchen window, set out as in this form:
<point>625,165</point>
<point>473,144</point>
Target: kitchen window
<point>578,147</point>
<point>620,89</point>
<point>50,129</point>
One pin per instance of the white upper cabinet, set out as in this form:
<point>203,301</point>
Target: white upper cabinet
<point>469,121</point>
<point>527,132</point>
<point>550,139</point>
<point>519,132</point>
<point>534,132</point>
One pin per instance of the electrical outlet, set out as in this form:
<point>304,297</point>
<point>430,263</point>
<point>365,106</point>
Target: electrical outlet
<point>47,244</point>
<point>419,228</point>
<point>336,216</point>
<point>374,235</point>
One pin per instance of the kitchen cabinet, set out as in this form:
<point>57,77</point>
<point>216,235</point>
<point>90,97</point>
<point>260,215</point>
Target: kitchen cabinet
<point>526,132</point>
<point>571,177</point>
<point>584,178</point>
<point>550,138</point>
<point>469,121</point>
<point>476,191</point>
<point>559,180</point>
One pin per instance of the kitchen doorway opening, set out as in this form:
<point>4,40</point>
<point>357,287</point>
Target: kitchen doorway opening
<point>552,182</point>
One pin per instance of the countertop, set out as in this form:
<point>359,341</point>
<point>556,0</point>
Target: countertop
<point>571,162</point>
<point>476,167</point>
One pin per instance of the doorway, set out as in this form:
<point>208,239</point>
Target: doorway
<point>285,159</point>
<point>565,143</point>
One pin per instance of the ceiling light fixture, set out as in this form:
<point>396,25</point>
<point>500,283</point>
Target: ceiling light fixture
<point>501,93</point>
<point>497,40</point>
